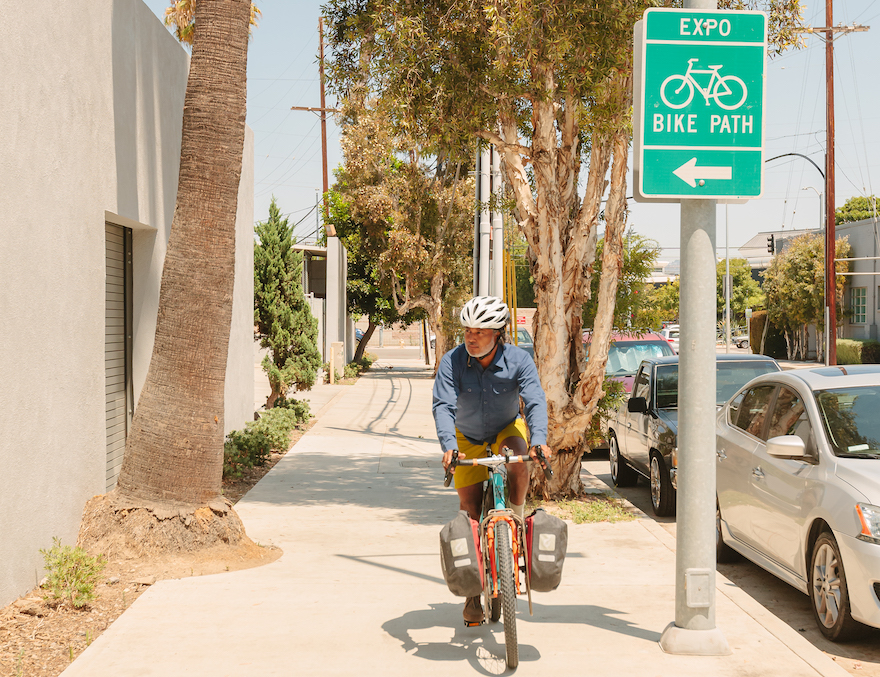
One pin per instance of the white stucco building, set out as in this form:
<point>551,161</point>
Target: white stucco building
<point>91,107</point>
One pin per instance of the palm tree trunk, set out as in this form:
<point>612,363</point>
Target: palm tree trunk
<point>174,453</point>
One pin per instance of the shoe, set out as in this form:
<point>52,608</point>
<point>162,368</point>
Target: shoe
<point>473,611</point>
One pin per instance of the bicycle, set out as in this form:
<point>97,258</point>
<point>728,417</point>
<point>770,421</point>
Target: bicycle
<point>718,86</point>
<point>499,550</point>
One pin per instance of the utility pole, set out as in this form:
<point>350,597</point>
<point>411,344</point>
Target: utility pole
<point>830,228</point>
<point>322,111</point>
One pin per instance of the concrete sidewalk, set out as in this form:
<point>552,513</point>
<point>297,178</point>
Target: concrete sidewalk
<point>357,506</point>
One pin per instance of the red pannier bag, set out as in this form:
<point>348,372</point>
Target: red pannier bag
<point>461,557</point>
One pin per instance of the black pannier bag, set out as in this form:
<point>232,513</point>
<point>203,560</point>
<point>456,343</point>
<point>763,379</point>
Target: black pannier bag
<point>546,544</point>
<point>460,556</point>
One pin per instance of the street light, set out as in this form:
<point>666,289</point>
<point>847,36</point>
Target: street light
<point>825,333</point>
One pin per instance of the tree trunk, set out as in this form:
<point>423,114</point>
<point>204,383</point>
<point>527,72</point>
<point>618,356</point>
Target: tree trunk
<point>362,344</point>
<point>174,453</point>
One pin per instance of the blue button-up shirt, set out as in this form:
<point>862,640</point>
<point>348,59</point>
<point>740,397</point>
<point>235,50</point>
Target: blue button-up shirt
<point>483,402</point>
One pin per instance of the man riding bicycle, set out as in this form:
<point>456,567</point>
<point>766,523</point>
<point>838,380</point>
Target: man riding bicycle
<point>476,407</point>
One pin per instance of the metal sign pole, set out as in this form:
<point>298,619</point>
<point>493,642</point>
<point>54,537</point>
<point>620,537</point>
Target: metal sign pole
<point>694,631</point>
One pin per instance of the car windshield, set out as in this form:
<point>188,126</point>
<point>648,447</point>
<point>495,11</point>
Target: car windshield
<point>522,336</point>
<point>730,376</point>
<point>624,357</point>
<point>849,416</point>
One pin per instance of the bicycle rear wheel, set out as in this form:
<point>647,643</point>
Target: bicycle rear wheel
<point>504,557</point>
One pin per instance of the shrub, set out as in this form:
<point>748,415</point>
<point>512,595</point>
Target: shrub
<point>351,370</point>
<point>251,447</point>
<point>849,351</point>
<point>72,573</point>
<point>774,344</point>
<point>870,352</point>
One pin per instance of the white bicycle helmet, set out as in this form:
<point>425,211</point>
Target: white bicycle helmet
<point>485,312</point>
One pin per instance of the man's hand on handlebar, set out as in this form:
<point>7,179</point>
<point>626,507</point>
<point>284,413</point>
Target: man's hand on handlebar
<point>447,459</point>
<point>533,453</point>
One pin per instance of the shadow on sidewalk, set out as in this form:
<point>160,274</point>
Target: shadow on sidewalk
<point>479,647</point>
<point>311,479</point>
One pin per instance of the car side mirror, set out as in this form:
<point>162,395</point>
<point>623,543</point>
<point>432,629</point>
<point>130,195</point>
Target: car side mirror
<point>637,405</point>
<point>786,446</point>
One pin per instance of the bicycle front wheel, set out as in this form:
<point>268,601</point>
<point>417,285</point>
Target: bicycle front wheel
<point>676,91</point>
<point>507,584</point>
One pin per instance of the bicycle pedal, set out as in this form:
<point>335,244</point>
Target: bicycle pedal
<point>473,624</point>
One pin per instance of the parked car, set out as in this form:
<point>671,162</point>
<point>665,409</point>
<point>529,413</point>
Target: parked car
<point>358,334</point>
<point>670,335</point>
<point>740,341</point>
<point>798,482</point>
<point>643,437</point>
<point>524,341</point>
<point>626,352</point>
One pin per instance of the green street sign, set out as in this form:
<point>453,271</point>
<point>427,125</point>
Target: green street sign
<point>699,104</point>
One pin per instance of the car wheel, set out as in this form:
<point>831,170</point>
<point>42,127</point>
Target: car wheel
<point>621,474</point>
<point>723,552</point>
<point>829,592</point>
<point>662,493</point>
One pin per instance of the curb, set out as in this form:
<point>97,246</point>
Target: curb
<point>796,643</point>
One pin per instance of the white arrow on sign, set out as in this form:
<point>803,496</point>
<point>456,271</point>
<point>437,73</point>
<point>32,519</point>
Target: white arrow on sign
<point>689,172</point>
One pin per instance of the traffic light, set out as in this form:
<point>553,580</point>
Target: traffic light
<point>771,244</point>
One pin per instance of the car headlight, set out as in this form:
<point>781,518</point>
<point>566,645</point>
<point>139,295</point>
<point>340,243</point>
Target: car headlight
<point>869,516</point>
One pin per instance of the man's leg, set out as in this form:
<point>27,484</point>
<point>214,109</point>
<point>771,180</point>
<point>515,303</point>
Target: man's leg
<point>517,473</point>
<point>470,498</point>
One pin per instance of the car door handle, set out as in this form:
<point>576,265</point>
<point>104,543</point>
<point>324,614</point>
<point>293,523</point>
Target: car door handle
<point>720,454</point>
<point>758,473</point>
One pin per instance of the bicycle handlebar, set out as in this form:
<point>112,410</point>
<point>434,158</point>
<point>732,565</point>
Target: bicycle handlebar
<point>495,461</point>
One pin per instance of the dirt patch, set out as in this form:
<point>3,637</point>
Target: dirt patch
<point>40,638</point>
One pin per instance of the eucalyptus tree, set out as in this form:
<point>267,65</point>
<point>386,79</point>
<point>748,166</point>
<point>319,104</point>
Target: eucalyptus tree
<point>408,214</point>
<point>549,84</point>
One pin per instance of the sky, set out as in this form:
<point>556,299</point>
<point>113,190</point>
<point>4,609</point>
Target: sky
<point>283,72</point>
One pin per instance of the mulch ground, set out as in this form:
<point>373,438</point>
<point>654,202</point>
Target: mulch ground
<point>40,637</point>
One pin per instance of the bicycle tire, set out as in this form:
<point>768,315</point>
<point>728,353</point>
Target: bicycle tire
<point>677,78</point>
<point>504,557</point>
<point>717,96</point>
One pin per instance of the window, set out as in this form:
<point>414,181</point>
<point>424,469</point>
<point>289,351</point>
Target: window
<point>640,388</point>
<point>790,418</point>
<point>858,297</point>
<point>752,410</point>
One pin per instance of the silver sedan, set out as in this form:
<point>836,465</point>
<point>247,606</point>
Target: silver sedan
<point>798,488</point>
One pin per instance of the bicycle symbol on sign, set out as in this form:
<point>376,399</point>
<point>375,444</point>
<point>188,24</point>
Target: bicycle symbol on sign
<point>728,91</point>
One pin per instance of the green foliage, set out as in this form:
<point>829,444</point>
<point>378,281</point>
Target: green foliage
<point>795,287</point>
<point>284,321</point>
<point>870,352</point>
<point>746,292</point>
<point>632,306</point>
<point>615,394</point>
<point>773,344</point>
<point>662,302</point>
<point>856,209</point>
<point>72,573</point>
<point>849,351</point>
<point>854,351</point>
<point>253,445</point>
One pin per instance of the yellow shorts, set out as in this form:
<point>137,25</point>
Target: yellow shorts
<point>465,476</point>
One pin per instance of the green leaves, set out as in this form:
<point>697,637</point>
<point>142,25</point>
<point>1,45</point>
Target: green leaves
<point>72,573</point>
<point>284,321</point>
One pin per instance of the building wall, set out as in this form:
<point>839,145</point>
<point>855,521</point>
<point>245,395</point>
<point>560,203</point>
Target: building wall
<point>863,238</point>
<point>90,114</point>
